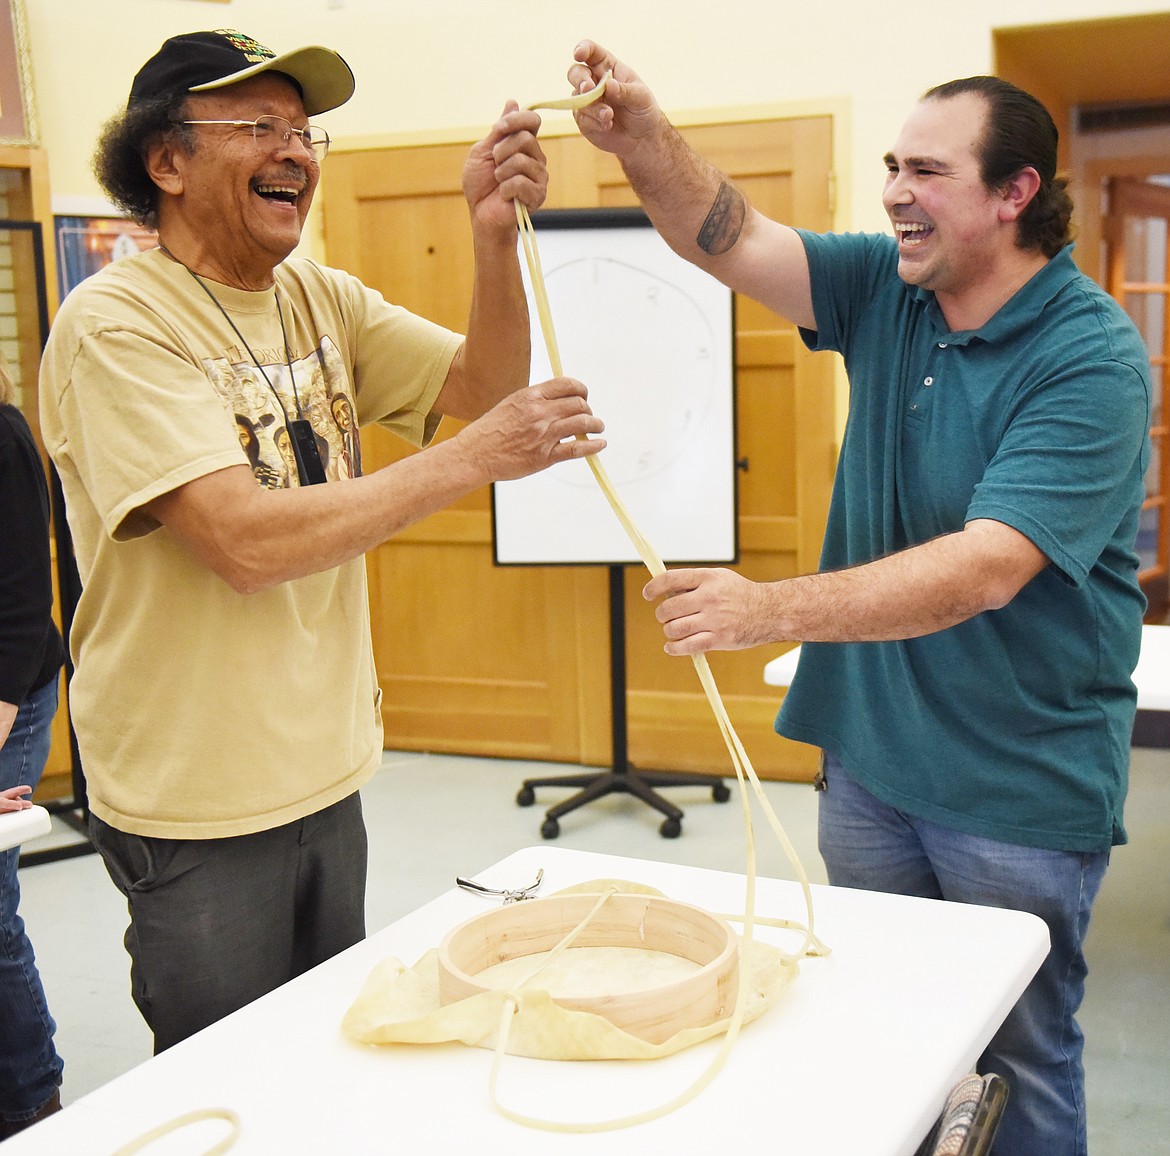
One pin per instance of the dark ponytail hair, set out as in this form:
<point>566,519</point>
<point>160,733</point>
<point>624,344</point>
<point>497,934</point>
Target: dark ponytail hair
<point>1019,133</point>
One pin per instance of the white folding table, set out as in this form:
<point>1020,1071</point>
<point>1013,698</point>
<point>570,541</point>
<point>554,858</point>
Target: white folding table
<point>18,827</point>
<point>856,1056</point>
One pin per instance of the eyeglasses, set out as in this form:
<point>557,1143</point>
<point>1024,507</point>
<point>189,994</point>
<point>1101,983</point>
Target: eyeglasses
<point>269,131</point>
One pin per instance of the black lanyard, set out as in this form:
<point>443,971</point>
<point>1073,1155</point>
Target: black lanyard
<point>310,468</point>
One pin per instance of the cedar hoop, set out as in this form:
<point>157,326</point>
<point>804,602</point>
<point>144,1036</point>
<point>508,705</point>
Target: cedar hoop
<point>652,922</point>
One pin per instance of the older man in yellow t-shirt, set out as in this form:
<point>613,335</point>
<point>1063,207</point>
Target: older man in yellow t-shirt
<point>225,699</point>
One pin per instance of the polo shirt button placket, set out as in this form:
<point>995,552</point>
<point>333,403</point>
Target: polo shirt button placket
<point>927,382</point>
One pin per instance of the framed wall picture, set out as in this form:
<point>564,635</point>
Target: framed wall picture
<point>87,244</point>
<point>18,120</point>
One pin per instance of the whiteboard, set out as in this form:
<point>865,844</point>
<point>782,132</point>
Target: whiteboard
<point>652,337</point>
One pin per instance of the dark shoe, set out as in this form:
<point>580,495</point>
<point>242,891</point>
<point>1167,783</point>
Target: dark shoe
<point>9,1128</point>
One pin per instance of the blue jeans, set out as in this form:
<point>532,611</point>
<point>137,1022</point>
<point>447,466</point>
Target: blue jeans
<point>30,1069</point>
<point>869,845</point>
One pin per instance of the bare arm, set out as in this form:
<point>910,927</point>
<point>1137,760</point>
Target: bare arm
<point>507,165</point>
<point>699,211</point>
<point>917,591</point>
<point>255,538</point>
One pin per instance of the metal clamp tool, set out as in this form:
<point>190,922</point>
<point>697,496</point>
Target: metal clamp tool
<point>513,895</point>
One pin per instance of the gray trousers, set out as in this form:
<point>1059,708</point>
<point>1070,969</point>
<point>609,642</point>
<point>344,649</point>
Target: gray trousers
<point>217,923</point>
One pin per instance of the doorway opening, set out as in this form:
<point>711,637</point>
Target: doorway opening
<point>1107,84</point>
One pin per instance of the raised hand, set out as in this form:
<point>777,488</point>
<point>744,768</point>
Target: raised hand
<point>507,165</point>
<point>625,114</point>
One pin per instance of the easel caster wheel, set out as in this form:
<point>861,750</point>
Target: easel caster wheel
<point>525,797</point>
<point>550,829</point>
<point>670,829</point>
<point>721,793</point>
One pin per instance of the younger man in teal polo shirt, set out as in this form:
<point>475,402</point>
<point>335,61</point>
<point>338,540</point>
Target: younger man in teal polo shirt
<point>977,617</point>
<point>1013,724</point>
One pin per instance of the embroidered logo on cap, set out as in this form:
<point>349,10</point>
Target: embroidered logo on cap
<point>253,50</point>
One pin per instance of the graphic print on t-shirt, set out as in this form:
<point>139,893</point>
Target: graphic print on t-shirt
<point>321,396</point>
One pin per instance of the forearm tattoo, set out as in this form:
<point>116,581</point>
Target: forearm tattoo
<point>724,222</point>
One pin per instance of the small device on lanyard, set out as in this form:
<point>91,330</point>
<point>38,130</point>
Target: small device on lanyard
<point>310,468</point>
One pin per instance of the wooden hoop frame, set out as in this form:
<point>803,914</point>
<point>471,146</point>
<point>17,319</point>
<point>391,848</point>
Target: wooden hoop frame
<point>652,922</point>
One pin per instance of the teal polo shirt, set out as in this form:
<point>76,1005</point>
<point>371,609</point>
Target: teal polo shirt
<point>1015,724</point>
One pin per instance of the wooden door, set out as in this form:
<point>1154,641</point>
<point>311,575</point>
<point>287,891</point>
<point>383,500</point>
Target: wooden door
<point>1136,230</point>
<point>514,662</point>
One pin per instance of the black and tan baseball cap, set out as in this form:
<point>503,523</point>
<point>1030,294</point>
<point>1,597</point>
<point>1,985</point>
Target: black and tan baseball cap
<point>198,61</point>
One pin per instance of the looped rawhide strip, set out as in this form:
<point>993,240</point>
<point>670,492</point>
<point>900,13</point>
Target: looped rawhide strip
<point>185,1121</point>
<point>744,771</point>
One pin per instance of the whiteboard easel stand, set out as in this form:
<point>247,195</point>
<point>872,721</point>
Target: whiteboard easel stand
<point>621,776</point>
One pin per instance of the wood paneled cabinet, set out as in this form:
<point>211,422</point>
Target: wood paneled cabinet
<point>514,662</point>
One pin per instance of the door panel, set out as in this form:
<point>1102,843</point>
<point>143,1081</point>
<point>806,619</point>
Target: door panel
<point>514,661</point>
<point>1136,231</point>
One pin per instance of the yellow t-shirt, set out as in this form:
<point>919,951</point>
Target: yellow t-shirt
<point>200,712</point>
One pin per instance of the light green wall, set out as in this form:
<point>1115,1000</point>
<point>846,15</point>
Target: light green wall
<point>446,66</point>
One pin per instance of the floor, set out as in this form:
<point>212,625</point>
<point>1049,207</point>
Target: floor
<point>432,817</point>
